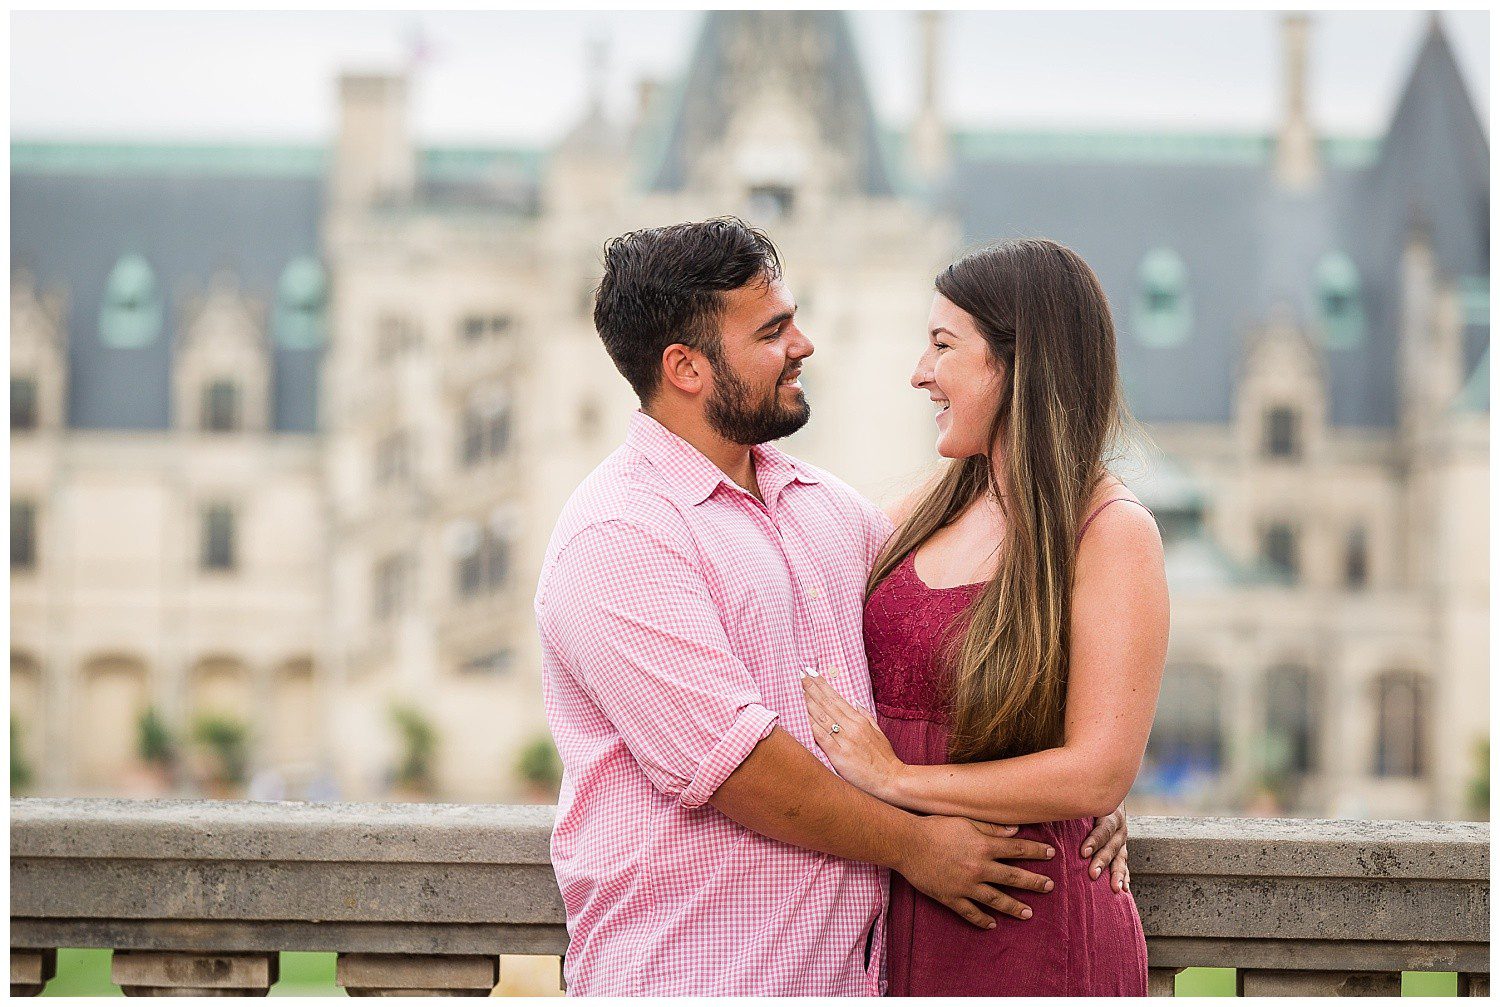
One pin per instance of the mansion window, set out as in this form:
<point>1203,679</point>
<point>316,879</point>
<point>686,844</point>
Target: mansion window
<point>216,540</point>
<point>1278,548</point>
<point>1401,725</point>
<point>22,535</point>
<point>485,432</point>
<point>1357,559</point>
<point>1188,733</point>
<point>393,459</point>
<point>1283,433</point>
<point>221,407</point>
<point>23,410</point>
<point>393,583</point>
<point>477,327</point>
<point>1291,712</point>
<point>483,564</point>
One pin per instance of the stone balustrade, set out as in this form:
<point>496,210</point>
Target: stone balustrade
<point>198,897</point>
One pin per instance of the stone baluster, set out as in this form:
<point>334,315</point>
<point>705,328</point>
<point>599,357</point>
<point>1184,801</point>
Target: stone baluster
<point>366,975</point>
<point>1161,982</point>
<point>1311,982</point>
<point>194,973</point>
<point>30,968</point>
<point>1473,984</point>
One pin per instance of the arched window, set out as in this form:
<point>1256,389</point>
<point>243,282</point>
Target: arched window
<point>1357,558</point>
<point>131,314</point>
<point>301,297</point>
<point>1163,312</point>
<point>221,407</point>
<point>1401,725</point>
<point>1292,709</point>
<point>486,427</point>
<point>1340,304</point>
<point>216,540</point>
<point>1279,550</point>
<point>1188,734</point>
<point>1283,433</point>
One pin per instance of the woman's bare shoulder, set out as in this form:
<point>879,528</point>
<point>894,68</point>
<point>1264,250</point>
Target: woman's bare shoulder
<point>1132,528</point>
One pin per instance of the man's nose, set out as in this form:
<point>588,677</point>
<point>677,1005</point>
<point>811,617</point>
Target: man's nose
<point>801,346</point>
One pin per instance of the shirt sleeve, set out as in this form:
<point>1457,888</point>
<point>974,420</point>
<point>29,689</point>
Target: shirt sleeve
<point>633,620</point>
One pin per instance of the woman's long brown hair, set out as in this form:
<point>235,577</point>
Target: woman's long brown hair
<point>1047,323</point>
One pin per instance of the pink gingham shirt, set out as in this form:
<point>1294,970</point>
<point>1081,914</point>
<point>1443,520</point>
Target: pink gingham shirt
<point>676,612</point>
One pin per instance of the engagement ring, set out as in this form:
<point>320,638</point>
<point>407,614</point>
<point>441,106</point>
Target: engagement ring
<point>834,729</point>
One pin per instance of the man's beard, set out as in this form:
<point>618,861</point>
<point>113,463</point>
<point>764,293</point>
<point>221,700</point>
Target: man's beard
<point>736,417</point>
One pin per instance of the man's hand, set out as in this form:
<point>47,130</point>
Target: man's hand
<point>1106,845</point>
<point>956,862</point>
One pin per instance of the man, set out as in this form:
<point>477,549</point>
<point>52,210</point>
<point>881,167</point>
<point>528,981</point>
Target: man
<point>703,845</point>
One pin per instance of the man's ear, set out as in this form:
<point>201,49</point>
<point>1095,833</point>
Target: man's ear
<point>686,369</point>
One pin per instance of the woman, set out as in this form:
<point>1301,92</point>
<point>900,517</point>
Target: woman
<point>1016,629</point>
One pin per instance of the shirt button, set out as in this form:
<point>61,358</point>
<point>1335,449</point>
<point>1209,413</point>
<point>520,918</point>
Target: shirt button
<point>834,672</point>
<point>814,593</point>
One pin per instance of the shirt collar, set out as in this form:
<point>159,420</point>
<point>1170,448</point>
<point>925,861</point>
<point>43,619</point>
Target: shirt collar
<point>694,478</point>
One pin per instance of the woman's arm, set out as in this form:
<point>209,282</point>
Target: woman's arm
<point>1119,640</point>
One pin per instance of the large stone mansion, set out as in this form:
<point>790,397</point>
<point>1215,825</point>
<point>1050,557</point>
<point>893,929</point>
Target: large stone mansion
<point>290,425</point>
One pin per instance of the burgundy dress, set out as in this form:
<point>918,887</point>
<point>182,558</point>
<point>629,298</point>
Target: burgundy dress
<point>1083,938</point>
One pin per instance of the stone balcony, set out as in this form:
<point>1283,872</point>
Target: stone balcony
<point>197,897</point>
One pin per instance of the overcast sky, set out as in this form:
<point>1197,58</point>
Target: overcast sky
<point>515,77</point>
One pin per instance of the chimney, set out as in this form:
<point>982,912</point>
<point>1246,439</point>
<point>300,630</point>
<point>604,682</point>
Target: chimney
<point>374,161</point>
<point>1297,166</point>
<point>929,136</point>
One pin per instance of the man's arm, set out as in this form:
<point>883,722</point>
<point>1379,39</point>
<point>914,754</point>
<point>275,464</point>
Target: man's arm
<point>632,618</point>
<point>782,791</point>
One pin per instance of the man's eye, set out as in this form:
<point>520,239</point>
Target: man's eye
<point>941,346</point>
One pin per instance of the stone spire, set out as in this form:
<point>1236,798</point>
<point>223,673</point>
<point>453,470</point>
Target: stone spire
<point>929,135</point>
<point>1297,163</point>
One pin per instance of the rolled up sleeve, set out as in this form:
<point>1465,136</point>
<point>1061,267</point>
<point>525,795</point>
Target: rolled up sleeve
<point>632,619</point>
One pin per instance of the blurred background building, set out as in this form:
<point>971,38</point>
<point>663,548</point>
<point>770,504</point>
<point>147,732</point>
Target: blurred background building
<point>291,424</point>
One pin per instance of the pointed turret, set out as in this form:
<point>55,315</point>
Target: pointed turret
<point>773,102</point>
<point>1435,160</point>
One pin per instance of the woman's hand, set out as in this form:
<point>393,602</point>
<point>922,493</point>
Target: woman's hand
<point>858,750</point>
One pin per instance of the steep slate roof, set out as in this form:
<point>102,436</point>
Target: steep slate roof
<point>1247,245</point>
<point>70,227</point>
<point>840,103</point>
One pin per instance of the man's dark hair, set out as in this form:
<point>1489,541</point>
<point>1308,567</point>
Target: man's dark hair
<point>664,285</point>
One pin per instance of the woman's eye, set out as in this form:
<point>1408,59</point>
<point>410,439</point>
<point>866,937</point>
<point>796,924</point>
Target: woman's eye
<point>941,346</point>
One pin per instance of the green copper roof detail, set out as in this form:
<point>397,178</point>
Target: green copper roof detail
<point>1340,300</point>
<point>1163,310</point>
<point>1158,148</point>
<point>301,295</point>
<point>257,160</point>
<point>165,158</point>
<point>132,312</point>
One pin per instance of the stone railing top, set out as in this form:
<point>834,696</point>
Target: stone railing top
<point>120,828</point>
<point>518,834</point>
<point>1310,848</point>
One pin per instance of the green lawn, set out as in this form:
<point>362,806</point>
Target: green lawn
<point>85,972</point>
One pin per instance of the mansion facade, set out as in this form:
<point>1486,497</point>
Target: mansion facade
<point>291,425</point>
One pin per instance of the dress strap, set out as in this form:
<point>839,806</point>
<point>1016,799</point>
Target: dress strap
<point>1090,519</point>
